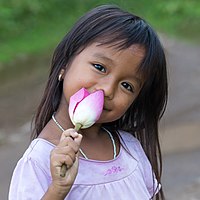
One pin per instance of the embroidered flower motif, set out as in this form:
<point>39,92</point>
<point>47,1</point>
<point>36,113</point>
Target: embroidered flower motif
<point>113,170</point>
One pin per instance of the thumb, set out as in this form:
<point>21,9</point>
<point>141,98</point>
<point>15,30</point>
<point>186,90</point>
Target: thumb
<point>78,139</point>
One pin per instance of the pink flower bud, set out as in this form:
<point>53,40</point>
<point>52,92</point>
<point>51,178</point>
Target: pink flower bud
<point>85,108</point>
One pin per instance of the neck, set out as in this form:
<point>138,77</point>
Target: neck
<point>91,132</point>
<point>64,120</point>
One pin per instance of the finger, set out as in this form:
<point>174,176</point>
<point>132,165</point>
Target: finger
<point>68,141</point>
<point>65,141</point>
<point>60,159</point>
<point>78,139</point>
<point>69,133</point>
<point>73,143</point>
<point>67,150</point>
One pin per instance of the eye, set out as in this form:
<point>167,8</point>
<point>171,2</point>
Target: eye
<point>99,67</point>
<point>127,86</point>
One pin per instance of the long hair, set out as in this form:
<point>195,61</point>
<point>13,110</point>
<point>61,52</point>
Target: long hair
<point>109,24</point>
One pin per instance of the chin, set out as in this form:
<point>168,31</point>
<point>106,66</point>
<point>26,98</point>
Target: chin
<point>106,118</point>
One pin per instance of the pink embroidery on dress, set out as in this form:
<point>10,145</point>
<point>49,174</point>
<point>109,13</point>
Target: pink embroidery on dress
<point>113,170</point>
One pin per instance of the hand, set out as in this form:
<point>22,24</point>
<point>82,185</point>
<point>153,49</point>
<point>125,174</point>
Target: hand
<point>66,152</point>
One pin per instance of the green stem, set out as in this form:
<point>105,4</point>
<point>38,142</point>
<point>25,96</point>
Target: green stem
<point>78,127</point>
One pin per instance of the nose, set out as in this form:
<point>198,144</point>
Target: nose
<point>109,89</point>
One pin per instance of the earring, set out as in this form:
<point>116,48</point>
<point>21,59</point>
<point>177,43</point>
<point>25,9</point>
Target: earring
<point>61,74</point>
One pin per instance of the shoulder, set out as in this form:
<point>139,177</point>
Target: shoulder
<point>133,146</point>
<point>38,153</point>
<point>32,169</point>
<point>136,150</point>
<point>39,148</point>
<point>130,141</point>
<point>128,137</point>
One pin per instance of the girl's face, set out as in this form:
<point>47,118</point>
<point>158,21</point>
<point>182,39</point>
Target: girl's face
<point>111,70</point>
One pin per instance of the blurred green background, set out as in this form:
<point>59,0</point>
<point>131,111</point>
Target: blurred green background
<point>34,27</point>
<point>29,32</point>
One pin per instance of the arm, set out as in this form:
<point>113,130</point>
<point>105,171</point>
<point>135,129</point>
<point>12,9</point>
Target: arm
<point>64,153</point>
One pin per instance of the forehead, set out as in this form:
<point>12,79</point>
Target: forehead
<point>110,50</point>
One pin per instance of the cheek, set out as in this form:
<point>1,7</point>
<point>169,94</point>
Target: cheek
<point>74,82</point>
<point>121,111</point>
<point>118,111</point>
<point>122,106</point>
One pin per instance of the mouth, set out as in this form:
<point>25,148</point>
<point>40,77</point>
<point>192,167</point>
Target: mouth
<point>106,109</point>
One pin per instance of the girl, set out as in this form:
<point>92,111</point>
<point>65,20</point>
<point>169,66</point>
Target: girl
<point>119,156</point>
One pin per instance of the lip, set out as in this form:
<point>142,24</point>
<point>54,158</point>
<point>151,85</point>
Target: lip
<point>106,109</point>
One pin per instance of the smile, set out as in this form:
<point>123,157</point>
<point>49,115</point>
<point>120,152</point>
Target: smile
<point>106,109</point>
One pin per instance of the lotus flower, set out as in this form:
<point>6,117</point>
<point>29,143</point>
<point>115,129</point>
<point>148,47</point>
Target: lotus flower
<point>85,108</point>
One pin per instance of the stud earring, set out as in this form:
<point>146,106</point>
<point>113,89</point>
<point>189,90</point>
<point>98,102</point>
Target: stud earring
<point>61,74</point>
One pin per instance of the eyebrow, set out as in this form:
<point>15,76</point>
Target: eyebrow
<point>138,80</point>
<point>102,56</point>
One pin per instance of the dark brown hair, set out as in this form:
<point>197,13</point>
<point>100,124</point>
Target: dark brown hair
<point>109,24</point>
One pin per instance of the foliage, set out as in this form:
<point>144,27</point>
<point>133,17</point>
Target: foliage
<point>29,26</point>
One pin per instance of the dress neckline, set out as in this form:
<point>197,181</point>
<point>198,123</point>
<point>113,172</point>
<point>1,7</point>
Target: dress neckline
<point>84,159</point>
